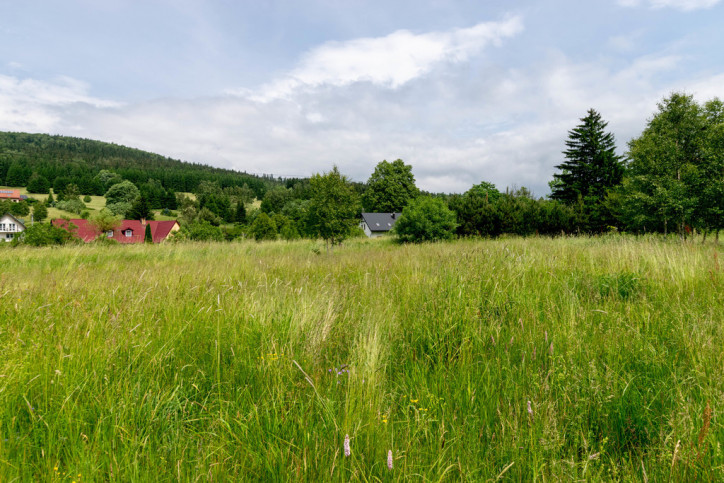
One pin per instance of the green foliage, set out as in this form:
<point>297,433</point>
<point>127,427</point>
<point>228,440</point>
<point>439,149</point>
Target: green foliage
<point>123,192</point>
<point>200,231</point>
<point>40,212</point>
<point>43,234</point>
<point>105,220</point>
<point>333,208</point>
<point>71,206</point>
<point>425,219</point>
<point>17,209</point>
<point>97,165</point>
<point>87,199</point>
<point>18,174</point>
<point>390,188</point>
<point>263,228</point>
<point>147,236</point>
<point>676,169</point>
<point>119,209</point>
<point>591,169</point>
<point>140,210</point>
<point>275,199</point>
<point>38,184</point>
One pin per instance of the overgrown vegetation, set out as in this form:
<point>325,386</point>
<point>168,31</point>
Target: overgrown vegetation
<point>519,359</point>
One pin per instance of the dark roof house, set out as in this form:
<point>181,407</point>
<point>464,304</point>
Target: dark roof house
<point>378,224</point>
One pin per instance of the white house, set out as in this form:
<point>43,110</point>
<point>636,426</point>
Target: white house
<point>10,227</point>
<point>378,224</point>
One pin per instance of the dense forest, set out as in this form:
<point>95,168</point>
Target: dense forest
<point>78,161</point>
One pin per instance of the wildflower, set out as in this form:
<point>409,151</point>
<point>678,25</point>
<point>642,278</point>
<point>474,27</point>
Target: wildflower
<point>389,459</point>
<point>546,337</point>
<point>530,411</point>
<point>347,449</point>
<point>550,349</point>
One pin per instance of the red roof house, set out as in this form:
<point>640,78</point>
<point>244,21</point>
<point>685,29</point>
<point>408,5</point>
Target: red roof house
<point>12,195</point>
<point>129,231</point>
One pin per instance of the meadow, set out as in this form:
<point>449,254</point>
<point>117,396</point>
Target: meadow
<point>512,359</point>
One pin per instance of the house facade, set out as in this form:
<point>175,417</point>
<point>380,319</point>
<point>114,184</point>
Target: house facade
<point>12,195</point>
<point>10,227</point>
<point>128,231</point>
<point>378,224</point>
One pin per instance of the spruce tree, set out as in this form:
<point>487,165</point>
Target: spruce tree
<point>591,168</point>
<point>147,237</point>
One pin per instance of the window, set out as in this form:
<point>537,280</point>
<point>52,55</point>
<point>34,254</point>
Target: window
<point>109,233</point>
<point>12,227</point>
<point>2,226</point>
<point>129,232</point>
<point>9,236</point>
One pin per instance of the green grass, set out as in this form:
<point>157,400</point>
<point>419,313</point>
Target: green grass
<point>220,361</point>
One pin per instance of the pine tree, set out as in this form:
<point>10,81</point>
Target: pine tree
<point>592,167</point>
<point>147,237</point>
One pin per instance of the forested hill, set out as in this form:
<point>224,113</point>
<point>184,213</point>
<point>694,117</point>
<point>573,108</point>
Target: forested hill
<point>80,160</point>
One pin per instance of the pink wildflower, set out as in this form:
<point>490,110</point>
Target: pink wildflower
<point>347,449</point>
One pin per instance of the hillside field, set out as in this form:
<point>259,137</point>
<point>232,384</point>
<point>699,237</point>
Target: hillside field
<point>512,359</point>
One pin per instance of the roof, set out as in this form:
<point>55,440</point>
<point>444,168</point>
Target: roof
<point>380,221</point>
<point>11,194</point>
<point>87,232</point>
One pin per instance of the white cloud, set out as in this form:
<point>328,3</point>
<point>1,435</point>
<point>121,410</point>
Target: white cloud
<point>389,61</point>
<point>33,105</point>
<point>685,5</point>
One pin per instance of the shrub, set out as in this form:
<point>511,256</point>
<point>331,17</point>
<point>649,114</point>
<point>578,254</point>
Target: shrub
<point>41,234</point>
<point>86,199</point>
<point>425,219</point>
<point>72,206</point>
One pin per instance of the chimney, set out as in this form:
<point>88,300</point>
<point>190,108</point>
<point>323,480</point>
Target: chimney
<point>393,215</point>
<point>143,221</point>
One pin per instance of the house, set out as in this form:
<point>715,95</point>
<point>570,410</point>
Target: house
<point>128,231</point>
<point>377,224</point>
<point>12,195</point>
<point>10,227</point>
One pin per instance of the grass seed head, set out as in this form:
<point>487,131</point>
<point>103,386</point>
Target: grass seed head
<point>347,449</point>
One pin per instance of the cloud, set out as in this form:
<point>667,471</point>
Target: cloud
<point>684,5</point>
<point>390,61</point>
<point>34,105</point>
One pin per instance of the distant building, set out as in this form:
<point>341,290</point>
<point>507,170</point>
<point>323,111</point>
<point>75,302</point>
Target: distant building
<point>10,227</point>
<point>12,195</point>
<point>377,224</point>
<point>129,231</point>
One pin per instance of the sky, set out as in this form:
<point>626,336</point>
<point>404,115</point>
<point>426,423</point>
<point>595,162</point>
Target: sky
<point>462,90</point>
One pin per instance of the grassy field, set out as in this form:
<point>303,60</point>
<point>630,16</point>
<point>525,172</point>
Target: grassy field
<point>513,359</point>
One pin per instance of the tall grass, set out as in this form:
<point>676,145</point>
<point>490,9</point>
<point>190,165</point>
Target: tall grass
<point>253,361</point>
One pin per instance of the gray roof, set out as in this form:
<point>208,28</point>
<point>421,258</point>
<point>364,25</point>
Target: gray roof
<point>380,221</point>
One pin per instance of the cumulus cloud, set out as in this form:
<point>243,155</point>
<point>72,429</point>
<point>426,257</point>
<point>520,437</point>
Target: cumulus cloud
<point>684,5</point>
<point>389,61</point>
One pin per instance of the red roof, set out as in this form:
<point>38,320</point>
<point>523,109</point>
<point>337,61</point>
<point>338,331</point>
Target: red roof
<point>10,194</point>
<point>129,231</point>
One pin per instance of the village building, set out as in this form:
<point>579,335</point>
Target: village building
<point>128,231</point>
<point>378,224</point>
<point>12,195</point>
<point>10,227</point>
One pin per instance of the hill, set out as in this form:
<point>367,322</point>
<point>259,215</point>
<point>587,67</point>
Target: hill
<point>80,160</point>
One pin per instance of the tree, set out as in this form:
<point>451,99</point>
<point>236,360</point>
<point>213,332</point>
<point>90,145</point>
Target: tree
<point>390,188</point>
<point>147,237</point>
<point>105,221</point>
<point>676,168</point>
<point>140,210</point>
<point>275,199</point>
<point>333,208</point>
<point>40,212</point>
<point>592,167</point>
<point>18,174</point>
<point>240,212</point>
<point>263,228</point>
<point>38,184</point>
<point>425,219</point>
<point>120,196</point>
<point>477,211</point>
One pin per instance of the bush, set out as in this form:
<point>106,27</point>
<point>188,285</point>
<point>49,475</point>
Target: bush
<point>72,206</point>
<point>41,234</point>
<point>120,208</point>
<point>263,228</point>
<point>86,199</point>
<point>425,219</point>
<point>203,231</point>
